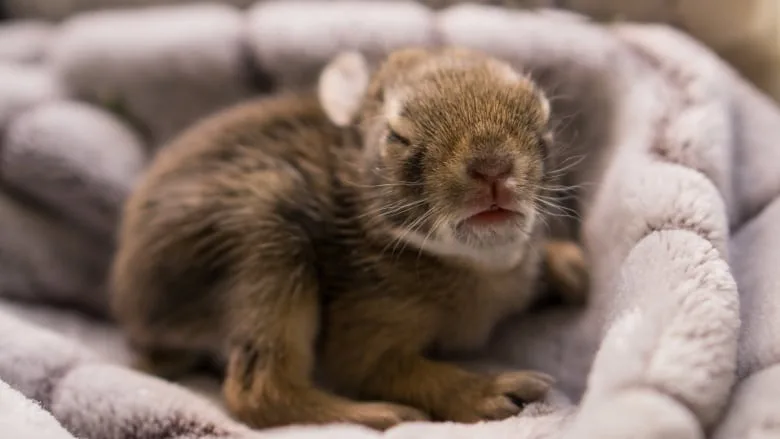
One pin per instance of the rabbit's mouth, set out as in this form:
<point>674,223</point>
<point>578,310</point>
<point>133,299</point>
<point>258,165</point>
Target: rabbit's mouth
<point>492,237</point>
<point>492,216</point>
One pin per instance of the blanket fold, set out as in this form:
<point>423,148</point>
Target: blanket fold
<point>90,161</point>
<point>21,418</point>
<point>672,159</point>
<point>163,67</point>
<point>25,41</point>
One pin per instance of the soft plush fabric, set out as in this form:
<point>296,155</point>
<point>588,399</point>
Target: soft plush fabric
<point>21,418</point>
<point>744,32</point>
<point>675,157</point>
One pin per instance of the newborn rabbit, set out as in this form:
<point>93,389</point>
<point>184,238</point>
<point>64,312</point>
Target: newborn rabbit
<point>393,214</point>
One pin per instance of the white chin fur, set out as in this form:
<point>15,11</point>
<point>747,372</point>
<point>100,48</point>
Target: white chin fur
<point>494,257</point>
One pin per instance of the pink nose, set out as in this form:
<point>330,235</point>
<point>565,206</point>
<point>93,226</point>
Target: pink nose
<point>489,170</point>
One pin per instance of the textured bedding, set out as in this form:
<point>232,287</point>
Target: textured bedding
<point>745,32</point>
<point>674,157</point>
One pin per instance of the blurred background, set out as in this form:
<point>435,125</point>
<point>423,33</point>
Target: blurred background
<point>744,32</point>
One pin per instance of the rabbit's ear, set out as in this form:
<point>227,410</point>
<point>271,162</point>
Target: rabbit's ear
<point>342,85</point>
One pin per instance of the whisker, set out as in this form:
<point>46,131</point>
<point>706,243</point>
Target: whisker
<point>406,226</point>
<point>436,225</point>
<point>565,166</point>
<point>385,185</point>
<point>542,217</point>
<point>548,214</point>
<point>564,188</point>
<point>414,227</point>
<point>560,211</point>
<point>392,209</point>
<point>552,205</point>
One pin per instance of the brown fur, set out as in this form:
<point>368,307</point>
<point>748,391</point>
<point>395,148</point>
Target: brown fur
<point>263,234</point>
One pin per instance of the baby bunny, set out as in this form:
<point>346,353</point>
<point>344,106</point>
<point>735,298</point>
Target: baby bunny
<point>353,232</point>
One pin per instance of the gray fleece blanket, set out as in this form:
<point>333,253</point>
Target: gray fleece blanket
<point>676,161</point>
